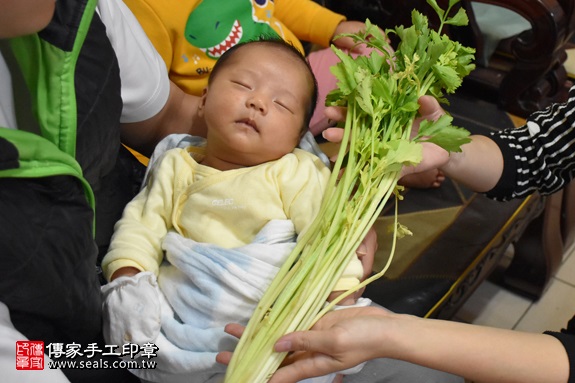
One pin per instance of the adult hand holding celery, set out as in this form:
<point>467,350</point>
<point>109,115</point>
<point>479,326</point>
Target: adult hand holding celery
<point>380,92</point>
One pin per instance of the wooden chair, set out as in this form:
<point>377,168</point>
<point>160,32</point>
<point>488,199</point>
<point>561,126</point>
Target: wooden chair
<point>525,73</point>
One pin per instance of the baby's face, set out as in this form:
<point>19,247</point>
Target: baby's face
<point>255,106</point>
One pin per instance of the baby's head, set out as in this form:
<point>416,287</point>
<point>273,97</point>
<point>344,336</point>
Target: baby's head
<point>286,49</point>
<point>258,102</point>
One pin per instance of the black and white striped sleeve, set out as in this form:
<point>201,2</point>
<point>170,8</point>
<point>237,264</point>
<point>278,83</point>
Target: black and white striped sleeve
<point>539,155</point>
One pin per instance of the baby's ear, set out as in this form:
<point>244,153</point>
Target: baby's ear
<point>202,102</point>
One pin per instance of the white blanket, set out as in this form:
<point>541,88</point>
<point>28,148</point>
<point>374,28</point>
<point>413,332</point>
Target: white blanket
<point>207,287</point>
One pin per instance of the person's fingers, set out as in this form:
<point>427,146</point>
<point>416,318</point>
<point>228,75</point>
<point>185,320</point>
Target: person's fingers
<point>434,157</point>
<point>224,357</point>
<point>302,369</point>
<point>321,125</point>
<point>309,357</point>
<point>333,134</point>
<point>344,42</point>
<point>335,113</point>
<point>234,329</point>
<point>429,108</point>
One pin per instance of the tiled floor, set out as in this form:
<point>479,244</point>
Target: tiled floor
<point>492,305</point>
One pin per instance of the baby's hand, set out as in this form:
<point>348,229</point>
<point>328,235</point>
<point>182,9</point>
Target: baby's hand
<point>131,309</point>
<point>124,272</point>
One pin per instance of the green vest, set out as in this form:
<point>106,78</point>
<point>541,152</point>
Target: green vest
<point>49,245</point>
<point>49,75</point>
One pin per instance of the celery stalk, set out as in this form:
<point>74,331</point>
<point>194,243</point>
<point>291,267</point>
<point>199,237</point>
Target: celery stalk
<point>380,92</point>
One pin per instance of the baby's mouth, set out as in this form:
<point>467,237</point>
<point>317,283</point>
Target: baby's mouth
<point>251,123</point>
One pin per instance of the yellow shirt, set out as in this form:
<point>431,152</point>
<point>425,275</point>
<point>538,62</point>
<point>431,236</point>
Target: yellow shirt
<point>190,35</point>
<point>226,208</point>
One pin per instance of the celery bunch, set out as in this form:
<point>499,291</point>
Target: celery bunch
<point>380,92</point>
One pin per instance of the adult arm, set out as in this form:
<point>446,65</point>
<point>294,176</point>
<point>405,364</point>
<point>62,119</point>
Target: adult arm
<point>339,341</point>
<point>513,163</point>
<point>479,165</point>
<point>178,115</point>
<point>153,106</point>
<point>538,156</point>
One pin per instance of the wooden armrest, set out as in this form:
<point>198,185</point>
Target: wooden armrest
<point>527,73</point>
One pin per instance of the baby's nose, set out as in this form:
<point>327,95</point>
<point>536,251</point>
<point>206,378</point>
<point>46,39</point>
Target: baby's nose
<point>257,103</point>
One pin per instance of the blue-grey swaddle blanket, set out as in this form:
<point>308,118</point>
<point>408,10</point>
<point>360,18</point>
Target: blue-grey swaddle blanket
<point>206,287</point>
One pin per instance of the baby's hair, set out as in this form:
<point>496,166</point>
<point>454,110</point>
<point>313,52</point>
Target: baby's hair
<point>287,47</point>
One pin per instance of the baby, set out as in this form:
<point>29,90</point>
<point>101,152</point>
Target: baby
<point>215,223</point>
